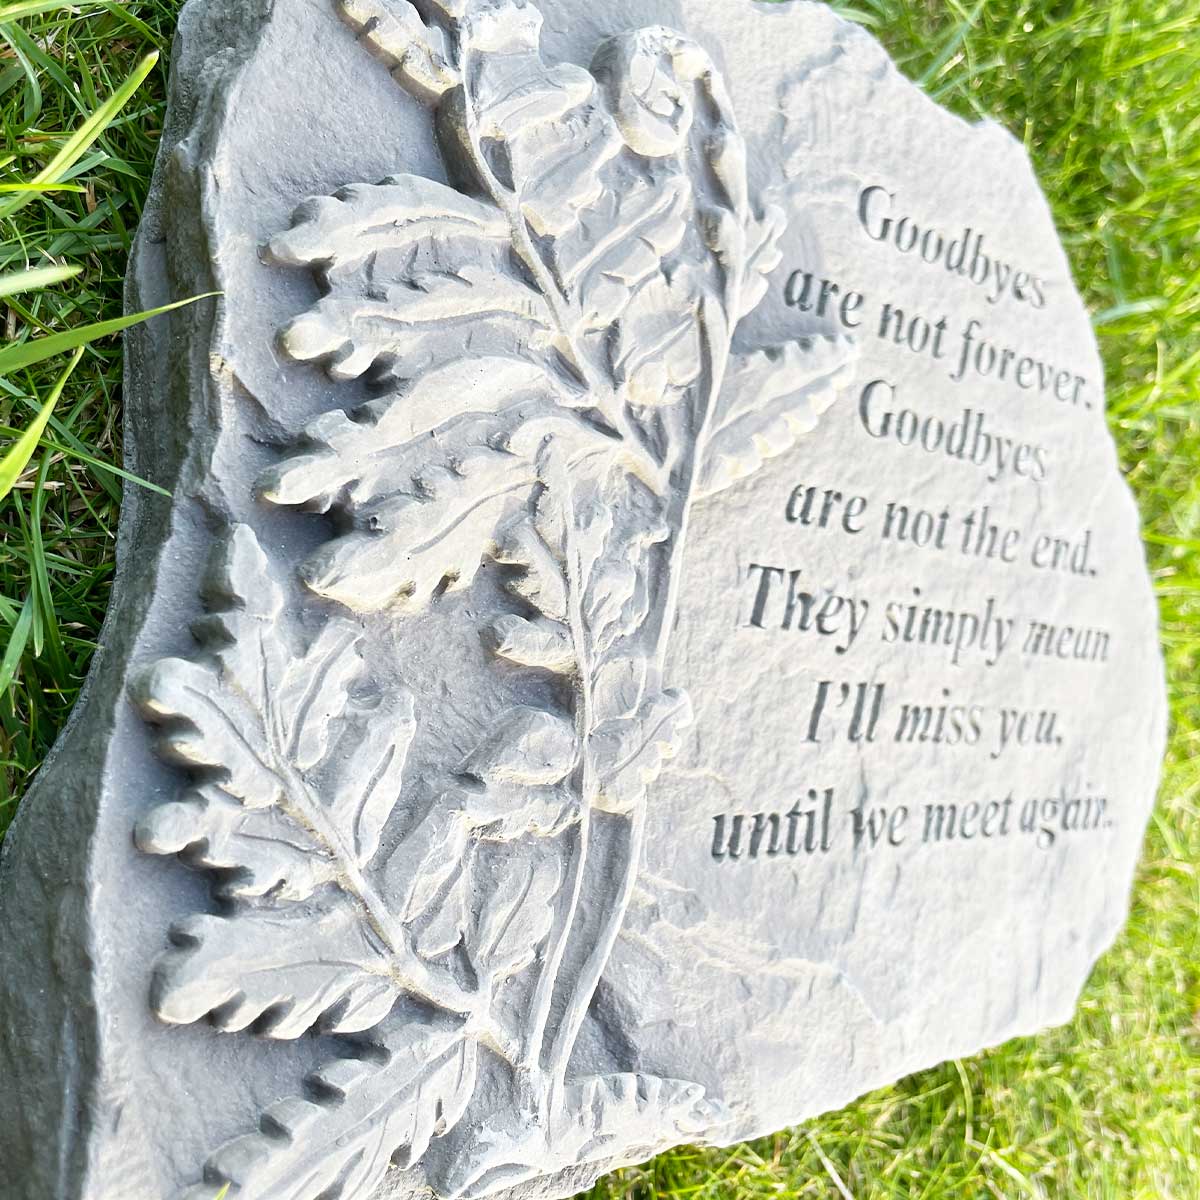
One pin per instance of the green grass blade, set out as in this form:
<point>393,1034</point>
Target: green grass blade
<point>953,44</point>
<point>17,641</point>
<point>23,68</point>
<point>120,11</point>
<point>40,188</point>
<point>17,457</point>
<point>34,8</point>
<point>47,613</point>
<point>32,280</point>
<point>25,354</point>
<point>76,453</point>
<point>100,465</point>
<point>74,148</point>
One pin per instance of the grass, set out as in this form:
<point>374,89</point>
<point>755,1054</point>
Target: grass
<point>1105,96</point>
<point>79,137</point>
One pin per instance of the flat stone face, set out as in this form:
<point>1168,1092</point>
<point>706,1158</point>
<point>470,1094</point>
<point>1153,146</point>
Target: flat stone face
<point>649,640</point>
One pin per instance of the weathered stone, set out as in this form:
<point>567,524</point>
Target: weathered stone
<point>544,726</point>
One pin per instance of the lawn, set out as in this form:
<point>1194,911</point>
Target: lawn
<point>1106,96</point>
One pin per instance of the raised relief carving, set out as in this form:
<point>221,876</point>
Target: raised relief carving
<point>551,340</point>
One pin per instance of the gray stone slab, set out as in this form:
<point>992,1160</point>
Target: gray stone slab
<point>649,639</point>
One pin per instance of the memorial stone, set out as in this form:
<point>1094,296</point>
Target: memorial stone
<point>648,639</point>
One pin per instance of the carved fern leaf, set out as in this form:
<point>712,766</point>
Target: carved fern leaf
<point>296,779</point>
<point>289,965</point>
<point>541,642</point>
<point>630,751</point>
<point>527,746</point>
<point>771,399</point>
<point>255,717</point>
<point>515,781</point>
<point>628,1118</point>
<point>572,283</point>
<point>763,255</point>
<point>421,866</point>
<point>415,53</point>
<point>420,542</point>
<point>361,1116</point>
<point>515,913</point>
<point>614,1119</point>
<point>402,263</point>
<point>391,439</point>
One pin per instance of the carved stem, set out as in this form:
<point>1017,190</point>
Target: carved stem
<point>548,979</point>
<point>534,1049</point>
<point>717,334</point>
<point>554,1057</point>
<point>718,355</point>
<point>717,331</point>
<point>597,959</point>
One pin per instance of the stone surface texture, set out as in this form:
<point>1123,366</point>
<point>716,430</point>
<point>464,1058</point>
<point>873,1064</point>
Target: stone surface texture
<point>649,640</point>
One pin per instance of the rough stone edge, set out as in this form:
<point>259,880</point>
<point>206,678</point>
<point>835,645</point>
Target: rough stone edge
<point>53,1045</point>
